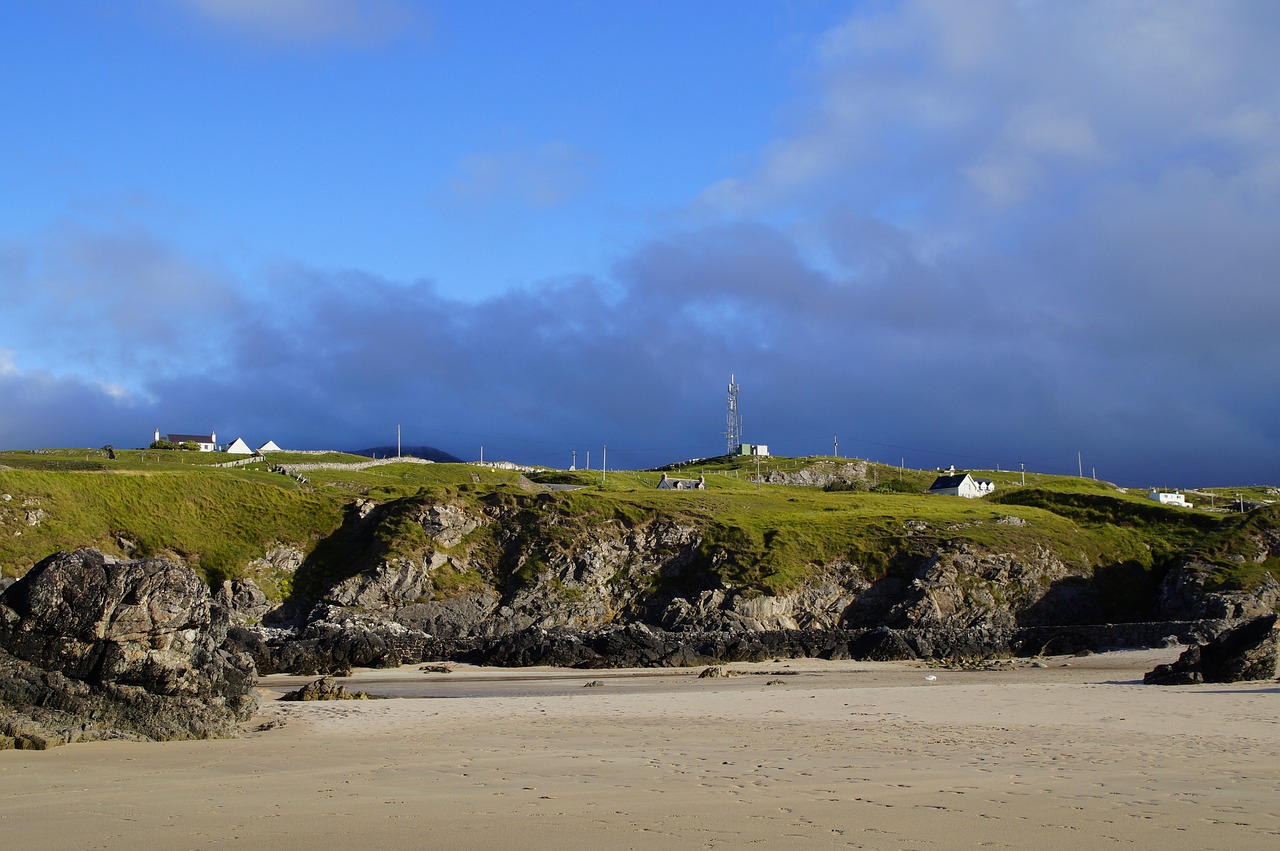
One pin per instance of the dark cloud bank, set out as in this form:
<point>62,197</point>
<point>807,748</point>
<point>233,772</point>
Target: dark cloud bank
<point>1003,233</point>
<point>952,360</point>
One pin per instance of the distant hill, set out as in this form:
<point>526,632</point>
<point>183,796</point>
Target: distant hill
<point>429,453</point>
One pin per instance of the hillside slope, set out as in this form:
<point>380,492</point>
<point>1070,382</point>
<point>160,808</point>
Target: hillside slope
<point>459,550</point>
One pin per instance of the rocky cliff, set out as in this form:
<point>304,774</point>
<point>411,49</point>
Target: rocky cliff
<point>491,574</point>
<point>92,648</point>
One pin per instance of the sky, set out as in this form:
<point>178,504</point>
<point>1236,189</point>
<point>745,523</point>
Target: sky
<point>983,233</point>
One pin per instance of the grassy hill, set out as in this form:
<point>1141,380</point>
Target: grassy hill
<point>771,535</point>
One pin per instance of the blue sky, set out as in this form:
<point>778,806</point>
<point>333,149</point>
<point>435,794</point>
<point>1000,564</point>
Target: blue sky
<point>976,233</point>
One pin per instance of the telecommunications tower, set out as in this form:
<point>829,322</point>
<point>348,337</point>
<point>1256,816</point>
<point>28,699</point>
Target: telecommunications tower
<point>733,434</point>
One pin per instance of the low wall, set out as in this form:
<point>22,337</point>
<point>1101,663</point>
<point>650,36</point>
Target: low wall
<point>295,469</point>
<point>325,647</point>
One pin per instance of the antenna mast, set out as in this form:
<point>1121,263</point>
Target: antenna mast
<point>733,434</point>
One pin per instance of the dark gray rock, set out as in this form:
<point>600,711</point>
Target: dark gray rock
<point>92,649</point>
<point>329,645</point>
<point>1248,652</point>
<point>882,645</point>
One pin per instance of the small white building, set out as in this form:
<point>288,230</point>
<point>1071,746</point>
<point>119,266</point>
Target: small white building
<point>753,449</point>
<point>1168,498</point>
<point>205,442</point>
<point>668,483</point>
<point>961,484</point>
<point>269,446</point>
<point>239,447</point>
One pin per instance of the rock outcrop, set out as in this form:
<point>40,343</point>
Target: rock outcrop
<point>325,688</point>
<point>1247,652</point>
<point>967,589</point>
<point>535,578</point>
<point>92,649</point>
<point>1183,594</point>
<point>243,601</point>
<point>821,474</point>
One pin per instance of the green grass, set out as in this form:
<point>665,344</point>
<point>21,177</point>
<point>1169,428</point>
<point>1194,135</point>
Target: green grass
<point>761,537</point>
<point>215,520</point>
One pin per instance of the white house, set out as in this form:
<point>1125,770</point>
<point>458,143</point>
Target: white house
<point>753,449</point>
<point>239,447</point>
<point>205,442</point>
<point>269,446</point>
<point>961,484</point>
<point>1166,498</point>
<point>668,483</point>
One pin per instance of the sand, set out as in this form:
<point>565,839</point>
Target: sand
<point>830,755</point>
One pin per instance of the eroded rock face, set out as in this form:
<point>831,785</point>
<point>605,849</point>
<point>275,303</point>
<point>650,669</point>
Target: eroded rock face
<point>387,585</point>
<point>518,576</point>
<point>1183,595</point>
<point>965,589</point>
<point>820,604</point>
<point>243,600</point>
<point>91,648</point>
<point>447,524</point>
<point>823,474</point>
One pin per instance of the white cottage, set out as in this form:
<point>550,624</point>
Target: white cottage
<point>239,447</point>
<point>205,442</point>
<point>668,483</point>
<point>1166,498</point>
<point>961,484</point>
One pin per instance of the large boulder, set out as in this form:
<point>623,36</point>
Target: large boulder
<point>1247,652</point>
<point>92,648</point>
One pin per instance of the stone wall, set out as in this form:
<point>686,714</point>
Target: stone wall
<point>328,648</point>
<point>295,469</point>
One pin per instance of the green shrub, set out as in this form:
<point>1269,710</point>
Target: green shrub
<point>896,486</point>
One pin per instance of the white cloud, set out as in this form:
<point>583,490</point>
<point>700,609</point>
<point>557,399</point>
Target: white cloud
<point>309,21</point>
<point>1015,99</point>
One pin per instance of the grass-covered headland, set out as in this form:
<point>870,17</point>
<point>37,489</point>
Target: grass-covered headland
<point>758,528</point>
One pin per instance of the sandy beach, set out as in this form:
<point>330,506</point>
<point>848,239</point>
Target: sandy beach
<point>791,754</point>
